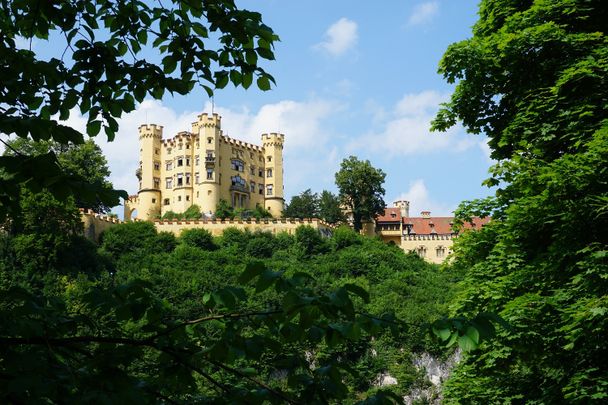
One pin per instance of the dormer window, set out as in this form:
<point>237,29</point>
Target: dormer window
<point>393,215</point>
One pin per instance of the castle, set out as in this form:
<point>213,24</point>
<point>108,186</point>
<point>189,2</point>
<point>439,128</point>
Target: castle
<point>429,237</point>
<point>202,167</point>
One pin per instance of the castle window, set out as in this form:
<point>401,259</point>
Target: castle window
<point>167,201</point>
<point>209,153</point>
<point>209,140</point>
<point>156,165</point>
<point>156,182</point>
<point>252,170</point>
<point>198,145</point>
<point>269,189</point>
<point>261,189</point>
<point>187,146</point>
<point>168,182</point>
<point>179,198</point>
<point>187,178</point>
<point>440,251</point>
<point>180,162</point>
<point>238,181</point>
<point>180,146</point>
<point>250,155</point>
<point>187,198</point>
<point>209,174</point>
<point>261,172</point>
<point>268,172</point>
<point>180,180</point>
<point>237,164</point>
<point>187,161</point>
<point>421,251</point>
<point>197,160</point>
<point>269,158</point>
<point>168,151</point>
<point>197,178</point>
<point>169,165</point>
<point>156,151</point>
<point>252,186</point>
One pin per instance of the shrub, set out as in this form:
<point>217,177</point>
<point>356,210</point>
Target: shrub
<point>309,241</point>
<point>235,237</point>
<point>193,212</point>
<point>200,238</point>
<point>223,210</point>
<point>344,236</point>
<point>165,242</point>
<point>128,237</point>
<point>261,244</point>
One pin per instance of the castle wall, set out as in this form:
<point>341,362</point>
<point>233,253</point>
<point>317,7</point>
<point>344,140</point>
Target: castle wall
<point>269,225</point>
<point>426,246</point>
<point>94,224</point>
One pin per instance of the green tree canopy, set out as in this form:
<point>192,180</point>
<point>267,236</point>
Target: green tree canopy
<point>304,205</point>
<point>534,79</point>
<point>361,190</point>
<point>84,160</point>
<point>329,208</point>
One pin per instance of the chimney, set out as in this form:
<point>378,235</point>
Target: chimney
<point>426,214</point>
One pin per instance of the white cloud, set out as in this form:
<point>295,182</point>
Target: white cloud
<point>423,13</point>
<point>407,129</point>
<point>340,37</point>
<point>420,200</point>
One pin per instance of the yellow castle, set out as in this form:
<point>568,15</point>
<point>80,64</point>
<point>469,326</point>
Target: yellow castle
<point>203,166</point>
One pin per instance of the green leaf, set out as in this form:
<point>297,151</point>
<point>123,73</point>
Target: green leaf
<point>93,127</point>
<point>252,270</point>
<point>263,83</point>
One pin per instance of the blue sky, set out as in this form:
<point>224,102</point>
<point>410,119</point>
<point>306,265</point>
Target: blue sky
<point>353,78</point>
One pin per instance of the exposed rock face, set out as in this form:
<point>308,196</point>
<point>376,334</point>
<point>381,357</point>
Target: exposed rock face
<point>385,379</point>
<point>436,373</point>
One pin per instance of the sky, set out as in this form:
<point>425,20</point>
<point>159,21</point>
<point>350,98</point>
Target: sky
<point>353,78</point>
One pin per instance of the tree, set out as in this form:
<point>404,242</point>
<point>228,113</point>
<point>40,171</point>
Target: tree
<point>84,160</point>
<point>223,210</point>
<point>305,205</point>
<point>329,208</point>
<point>108,64</point>
<point>361,191</point>
<point>534,79</point>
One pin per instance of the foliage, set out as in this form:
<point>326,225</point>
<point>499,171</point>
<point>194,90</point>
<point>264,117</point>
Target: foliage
<point>329,208</point>
<point>312,205</point>
<point>85,160</point>
<point>109,63</point>
<point>192,212</point>
<point>200,238</point>
<point>224,210</point>
<point>305,205</point>
<point>361,191</point>
<point>533,78</point>
<point>129,237</point>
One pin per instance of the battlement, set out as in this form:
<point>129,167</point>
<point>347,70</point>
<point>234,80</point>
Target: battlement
<point>206,120</point>
<point>150,131</point>
<point>239,143</point>
<point>273,139</point>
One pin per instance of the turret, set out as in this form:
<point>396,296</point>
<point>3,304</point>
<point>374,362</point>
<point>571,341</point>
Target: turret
<point>404,207</point>
<point>148,172</point>
<point>273,176</point>
<point>208,128</point>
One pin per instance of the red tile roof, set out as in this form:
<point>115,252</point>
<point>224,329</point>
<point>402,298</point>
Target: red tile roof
<point>427,225</point>
<point>390,215</point>
<point>439,225</point>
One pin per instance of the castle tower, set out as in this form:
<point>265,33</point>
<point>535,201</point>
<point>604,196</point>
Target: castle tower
<point>404,207</point>
<point>148,172</point>
<point>273,165</point>
<point>208,129</point>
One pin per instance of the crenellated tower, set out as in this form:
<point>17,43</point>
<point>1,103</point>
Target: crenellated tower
<point>209,131</point>
<point>148,172</point>
<point>273,155</point>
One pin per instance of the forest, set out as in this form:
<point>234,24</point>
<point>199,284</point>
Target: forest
<point>146,317</point>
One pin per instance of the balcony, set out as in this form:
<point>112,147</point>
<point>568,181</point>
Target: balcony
<point>239,187</point>
<point>209,161</point>
<point>389,232</point>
